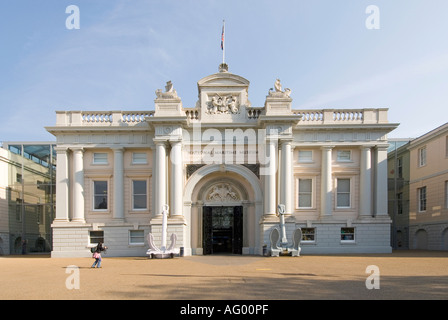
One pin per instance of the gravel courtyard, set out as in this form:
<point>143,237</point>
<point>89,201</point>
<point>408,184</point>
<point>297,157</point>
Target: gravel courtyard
<point>400,275</point>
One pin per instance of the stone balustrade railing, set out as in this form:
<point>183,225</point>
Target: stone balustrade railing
<point>342,116</point>
<point>308,117</point>
<point>101,118</point>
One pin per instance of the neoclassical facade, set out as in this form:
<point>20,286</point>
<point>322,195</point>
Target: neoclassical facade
<point>223,167</point>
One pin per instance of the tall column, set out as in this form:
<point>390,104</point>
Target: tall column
<point>118,200</point>
<point>286,177</point>
<point>365,183</point>
<point>78,186</point>
<point>269,184</point>
<point>326,184</point>
<point>160,185</point>
<point>177,179</point>
<point>381,181</point>
<point>62,185</point>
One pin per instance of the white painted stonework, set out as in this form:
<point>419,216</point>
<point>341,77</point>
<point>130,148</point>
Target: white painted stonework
<point>328,167</point>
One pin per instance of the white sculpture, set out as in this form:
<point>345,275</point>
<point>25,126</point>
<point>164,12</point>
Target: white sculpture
<point>275,236</point>
<point>163,252</point>
<point>170,92</point>
<point>278,90</point>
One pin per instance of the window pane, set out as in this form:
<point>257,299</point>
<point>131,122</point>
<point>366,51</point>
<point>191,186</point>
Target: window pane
<point>344,155</point>
<point>96,236</point>
<point>139,157</point>
<point>100,158</point>
<point>305,156</point>
<point>140,187</point>
<point>343,185</point>
<point>305,185</point>
<point>348,234</point>
<point>343,200</point>
<point>100,194</point>
<point>308,234</point>
<point>140,198</point>
<point>136,237</point>
<point>305,193</point>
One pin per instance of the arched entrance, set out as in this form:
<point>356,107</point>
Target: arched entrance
<point>222,207</point>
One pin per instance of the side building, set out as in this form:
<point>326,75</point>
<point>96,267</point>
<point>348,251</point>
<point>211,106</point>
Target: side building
<point>27,197</point>
<point>428,190</point>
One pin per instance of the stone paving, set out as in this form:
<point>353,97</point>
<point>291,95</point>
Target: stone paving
<point>402,275</point>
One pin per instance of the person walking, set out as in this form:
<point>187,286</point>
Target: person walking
<point>97,255</point>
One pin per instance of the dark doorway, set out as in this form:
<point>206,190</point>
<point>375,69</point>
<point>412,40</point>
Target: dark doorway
<point>222,230</point>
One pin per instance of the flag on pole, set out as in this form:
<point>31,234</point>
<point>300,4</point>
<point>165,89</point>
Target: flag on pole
<point>222,36</point>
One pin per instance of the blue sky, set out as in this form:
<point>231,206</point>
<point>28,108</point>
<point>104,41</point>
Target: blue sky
<point>126,49</point>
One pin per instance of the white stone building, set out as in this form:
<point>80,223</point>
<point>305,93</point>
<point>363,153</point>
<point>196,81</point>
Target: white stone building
<point>222,167</point>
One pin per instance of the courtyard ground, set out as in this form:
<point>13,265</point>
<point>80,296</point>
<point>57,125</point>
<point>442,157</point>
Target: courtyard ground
<point>401,275</point>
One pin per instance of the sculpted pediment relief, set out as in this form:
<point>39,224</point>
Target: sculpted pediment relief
<point>219,105</point>
<point>222,192</point>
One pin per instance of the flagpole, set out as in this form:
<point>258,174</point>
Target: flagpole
<point>223,41</point>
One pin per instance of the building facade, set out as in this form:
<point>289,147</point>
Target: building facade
<point>399,171</point>
<point>428,190</point>
<point>223,167</point>
<point>27,189</point>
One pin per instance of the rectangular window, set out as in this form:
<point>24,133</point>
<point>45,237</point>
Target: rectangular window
<point>136,237</point>
<point>400,203</point>
<point>305,156</point>
<point>400,167</point>
<point>139,194</point>
<point>308,235</point>
<point>96,237</point>
<point>422,157</point>
<point>343,193</point>
<point>344,155</point>
<point>305,193</point>
<point>421,192</point>
<point>446,194</point>
<point>446,147</point>
<point>139,158</point>
<point>100,195</point>
<point>347,234</point>
<point>99,158</point>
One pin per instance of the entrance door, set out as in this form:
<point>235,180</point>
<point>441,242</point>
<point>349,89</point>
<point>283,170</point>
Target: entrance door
<point>222,230</point>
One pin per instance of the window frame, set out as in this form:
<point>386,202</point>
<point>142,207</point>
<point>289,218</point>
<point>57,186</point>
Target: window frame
<point>137,161</point>
<point>305,233</point>
<point>305,160</point>
<point>348,233</point>
<point>422,157</point>
<point>422,202</point>
<point>310,193</point>
<point>100,161</point>
<point>133,195</point>
<point>349,193</point>
<point>339,157</point>
<point>94,195</point>
<point>96,237</point>
<point>131,237</point>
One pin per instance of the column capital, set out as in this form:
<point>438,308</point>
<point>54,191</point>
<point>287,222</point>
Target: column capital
<point>160,142</point>
<point>61,150</point>
<point>381,147</point>
<point>78,149</point>
<point>330,147</point>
